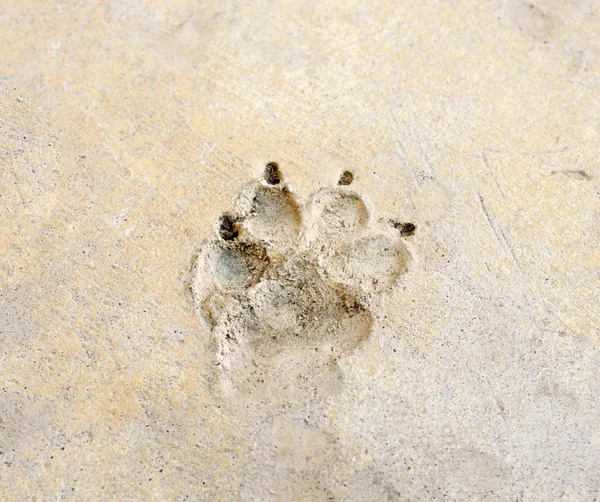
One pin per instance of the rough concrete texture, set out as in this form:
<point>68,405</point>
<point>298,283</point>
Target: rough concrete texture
<point>128,128</point>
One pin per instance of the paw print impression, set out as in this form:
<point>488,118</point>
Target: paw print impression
<point>288,285</point>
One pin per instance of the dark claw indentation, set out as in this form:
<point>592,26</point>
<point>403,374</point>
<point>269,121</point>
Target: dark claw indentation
<point>346,178</point>
<point>272,174</point>
<point>406,229</point>
<point>227,228</point>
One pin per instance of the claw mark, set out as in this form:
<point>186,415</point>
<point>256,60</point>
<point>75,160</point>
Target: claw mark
<point>227,228</point>
<point>272,174</point>
<point>406,229</point>
<point>346,178</point>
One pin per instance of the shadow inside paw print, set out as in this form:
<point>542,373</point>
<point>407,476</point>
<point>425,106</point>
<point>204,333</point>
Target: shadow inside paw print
<point>287,287</point>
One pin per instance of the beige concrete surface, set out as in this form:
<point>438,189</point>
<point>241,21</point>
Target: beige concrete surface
<point>128,128</point>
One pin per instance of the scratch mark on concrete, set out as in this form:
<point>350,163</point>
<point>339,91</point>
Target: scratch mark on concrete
<point>574,173</point>
<point>498,232</point>
<point>400,150</point>
<point>486,164</point>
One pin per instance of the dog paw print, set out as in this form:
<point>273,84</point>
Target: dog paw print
<point>285,283</point>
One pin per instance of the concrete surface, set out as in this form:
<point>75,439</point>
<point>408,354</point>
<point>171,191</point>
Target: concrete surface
<point>127,128</point>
